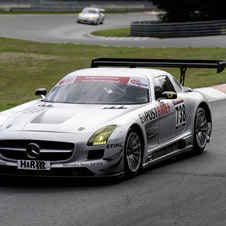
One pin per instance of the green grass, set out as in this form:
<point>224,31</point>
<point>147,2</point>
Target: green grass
<point>122,32</point>
<point>26,66</point>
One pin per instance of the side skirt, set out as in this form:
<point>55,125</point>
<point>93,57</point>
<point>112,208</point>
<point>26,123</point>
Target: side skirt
<point>165,153</point>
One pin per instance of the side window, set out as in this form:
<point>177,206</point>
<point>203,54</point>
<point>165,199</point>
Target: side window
<point>162,84</point>
<point>177,83</point>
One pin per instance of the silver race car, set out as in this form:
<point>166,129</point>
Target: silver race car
<point>107,121</point>
<point>91,15</point>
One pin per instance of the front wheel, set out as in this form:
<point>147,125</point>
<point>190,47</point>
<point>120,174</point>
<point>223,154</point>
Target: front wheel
<point>97,22</point>
<point>133,153</point>
<point>201,131</point>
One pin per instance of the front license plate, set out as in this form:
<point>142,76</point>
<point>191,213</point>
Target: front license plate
<point>33,165</point>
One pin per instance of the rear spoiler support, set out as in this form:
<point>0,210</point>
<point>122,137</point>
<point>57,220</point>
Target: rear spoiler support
<point>182,64</point>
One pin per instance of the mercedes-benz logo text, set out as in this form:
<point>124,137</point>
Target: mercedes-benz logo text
<point>33,150</point>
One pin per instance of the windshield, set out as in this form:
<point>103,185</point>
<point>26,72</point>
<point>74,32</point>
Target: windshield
<point>92,11</point>
<point>101,90</point>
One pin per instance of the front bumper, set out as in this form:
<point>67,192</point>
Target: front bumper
<point>65,160</point>
<point>56,172</point>
<point>87,20</point>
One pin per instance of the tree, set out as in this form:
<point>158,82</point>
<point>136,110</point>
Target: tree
<point>191,10</point>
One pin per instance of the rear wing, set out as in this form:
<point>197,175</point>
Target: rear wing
<point>182,64</point>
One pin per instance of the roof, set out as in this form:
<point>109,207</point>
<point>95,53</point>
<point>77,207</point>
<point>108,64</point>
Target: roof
<point>125,72</point>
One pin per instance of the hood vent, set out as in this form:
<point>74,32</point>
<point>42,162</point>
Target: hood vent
<point>115,107</point>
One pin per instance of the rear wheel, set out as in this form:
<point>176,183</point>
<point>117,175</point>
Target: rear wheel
<point>133,153</point>
<point>201,131</point>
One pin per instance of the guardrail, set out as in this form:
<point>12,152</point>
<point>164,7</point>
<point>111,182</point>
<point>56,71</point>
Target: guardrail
<point>186,29</point>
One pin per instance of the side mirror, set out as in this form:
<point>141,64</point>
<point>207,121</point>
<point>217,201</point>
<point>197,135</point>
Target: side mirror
<point>168,95</point>
<point>41,92</point>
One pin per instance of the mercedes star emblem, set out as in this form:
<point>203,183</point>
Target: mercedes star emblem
<point>33,150</point>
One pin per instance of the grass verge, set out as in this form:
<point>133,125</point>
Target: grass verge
<point>122,32</point>
<point>26,66</point>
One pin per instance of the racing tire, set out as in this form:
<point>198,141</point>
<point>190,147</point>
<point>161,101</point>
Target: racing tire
<point>132,154</point>
<point>97,22</point>
<point>201,131</point>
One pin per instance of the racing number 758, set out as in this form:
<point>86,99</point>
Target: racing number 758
<point>180,115</point>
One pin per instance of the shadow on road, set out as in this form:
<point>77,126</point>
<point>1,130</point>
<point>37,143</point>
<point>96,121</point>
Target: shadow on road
<point>54,182</point>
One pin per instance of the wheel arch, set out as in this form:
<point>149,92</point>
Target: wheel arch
<point>134,128</point>
<point>205,130</point>
<point>207,110</point>
<point>141,134</point>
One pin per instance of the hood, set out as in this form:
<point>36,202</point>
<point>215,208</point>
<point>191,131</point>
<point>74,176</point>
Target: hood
<point>89,15</point>
<point>69,118</point>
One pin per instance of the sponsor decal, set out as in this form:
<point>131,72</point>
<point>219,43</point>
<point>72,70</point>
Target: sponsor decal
<point>142,85</point>
<point>80,164</point>
<point>135,81</point>
<point>178,101</point>
<point>117,145</point>
<point>154,113</point>
<point>108,79</point>
<point>148,116</point>
<point>163,109</point>
<point>33,164</point>
<point>66,81</point>
<point>170,95</point>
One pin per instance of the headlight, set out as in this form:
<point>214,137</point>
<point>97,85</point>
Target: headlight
<point>94,17</point>
<point>79,15</point>
<point>101,136</point>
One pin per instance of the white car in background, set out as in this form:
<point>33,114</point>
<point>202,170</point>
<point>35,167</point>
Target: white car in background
<point>91,15</point>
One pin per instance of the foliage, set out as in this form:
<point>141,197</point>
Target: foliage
<point>191,10</point>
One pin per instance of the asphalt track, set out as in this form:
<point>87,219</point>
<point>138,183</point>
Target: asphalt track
<point>187,190</point>
<point>64,29</point>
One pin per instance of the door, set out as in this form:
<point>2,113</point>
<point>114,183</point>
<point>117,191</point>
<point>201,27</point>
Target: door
<point>171,113</point>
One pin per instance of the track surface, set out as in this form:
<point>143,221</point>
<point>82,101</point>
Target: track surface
<point>187,190</point>
<point>64,29</point>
